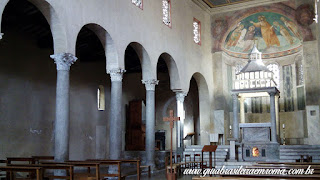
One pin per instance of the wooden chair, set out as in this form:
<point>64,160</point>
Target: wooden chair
<point>178,158</point>
<point>186,163</point>
<point>197,162</point>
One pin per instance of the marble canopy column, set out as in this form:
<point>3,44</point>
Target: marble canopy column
<point>61,132</point>
<point>273,117</point>
<point>150,119</point>
<point>115,128</point>
<point>242,110</point>
<point>180,96</point>
<point>235,130</point>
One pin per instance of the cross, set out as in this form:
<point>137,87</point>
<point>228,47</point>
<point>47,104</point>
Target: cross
<point>171,119</point>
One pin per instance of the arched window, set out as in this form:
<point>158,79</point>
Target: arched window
<point>101,98</point>
<point>276,73</point>
<point>196,31</point>
<point>166,12</point>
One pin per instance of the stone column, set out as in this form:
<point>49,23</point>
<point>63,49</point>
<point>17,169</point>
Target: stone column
<point>277,115</point>
<point>180,113</point>
<point>242,111</point>
<point>61,131</point>
<point>273,117</point>
<point>115,128</point>
<point>249,105</point>
<point>150,119</point>
<point>235,117</point>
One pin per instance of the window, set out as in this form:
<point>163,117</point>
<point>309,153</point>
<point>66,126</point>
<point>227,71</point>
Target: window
<point>196,31</point>
<point>138,3</point>
<point>101,98</point>
<point>166,12</point>
<point>299,73</point>
<point>276,73</point>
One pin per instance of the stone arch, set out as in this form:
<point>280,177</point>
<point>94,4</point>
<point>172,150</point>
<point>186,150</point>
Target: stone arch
<point>204,108</point>
<point>173,71</point>
<point>112,60</point>
<point>148,72</point>
<point>57,29</point>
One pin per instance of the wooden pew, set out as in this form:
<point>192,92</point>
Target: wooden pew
<point>68,168</point>
<point>119,162</point>
<point>10,160</point>
<point>37,159</point>
<point>149,169</point>
<point>11,169</point>
<point>87,165</point>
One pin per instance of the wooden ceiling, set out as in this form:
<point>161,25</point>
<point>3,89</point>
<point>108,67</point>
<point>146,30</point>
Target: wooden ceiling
<point>219,3</point>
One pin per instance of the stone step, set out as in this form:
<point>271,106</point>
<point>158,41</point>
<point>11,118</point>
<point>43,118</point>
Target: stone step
<point>300,150</point>
<point>201,146</point>
<point>297,157</point>
<point>206,153</point>
<point>299,147</point>
<point>199,150</point>
<point>207,158</point>
<point>299,153</point>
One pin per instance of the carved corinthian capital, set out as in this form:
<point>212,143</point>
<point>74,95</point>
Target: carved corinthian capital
<point>150,84</point>
<point>64,60</point>
<point>116,74</point>
<point>180,96</point>
<point>1,35</point>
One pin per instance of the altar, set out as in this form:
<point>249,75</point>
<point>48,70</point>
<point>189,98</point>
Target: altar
<point>256,142</point>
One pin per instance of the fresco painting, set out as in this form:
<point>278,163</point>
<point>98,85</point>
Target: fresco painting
<point>274,35</point>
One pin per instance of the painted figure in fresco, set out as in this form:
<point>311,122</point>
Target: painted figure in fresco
<point>241,38</point>
<point>249,39</point>
<point>284,32</point>
<point>293,28</point>
<point>267,32</point>
<point>233,40</point>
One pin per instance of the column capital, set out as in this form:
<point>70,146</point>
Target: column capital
<point>180,96</point>
<point>64,60</point>
<point>116,74</point>
<point>272,93</point>
<point>1,35</point>
<point>235,97</point>
<point>150,84</point>
<point>241,98</point>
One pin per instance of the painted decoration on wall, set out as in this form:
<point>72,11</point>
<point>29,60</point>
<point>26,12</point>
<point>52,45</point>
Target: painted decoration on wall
<point>274,34</point>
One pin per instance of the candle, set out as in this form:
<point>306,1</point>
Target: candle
<point>283,126</point>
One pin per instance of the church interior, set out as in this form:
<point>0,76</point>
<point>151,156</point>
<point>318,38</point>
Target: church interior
<point>101,84</point>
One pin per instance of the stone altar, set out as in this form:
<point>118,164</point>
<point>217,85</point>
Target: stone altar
<point>256,142</point>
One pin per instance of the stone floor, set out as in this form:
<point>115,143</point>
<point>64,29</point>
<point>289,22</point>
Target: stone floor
<point>158,175</point>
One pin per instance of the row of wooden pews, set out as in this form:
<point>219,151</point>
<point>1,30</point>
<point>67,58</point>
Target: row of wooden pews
<point>189,162</point>
<point>37,167</point>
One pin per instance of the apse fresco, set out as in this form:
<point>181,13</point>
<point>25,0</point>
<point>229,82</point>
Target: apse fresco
<point>275,35</point>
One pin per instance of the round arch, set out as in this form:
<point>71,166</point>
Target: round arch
<point>148,72</point>
<point>175,82</point>
<point>204,108</point>
<point>112,60</point>
<point>57,29</point>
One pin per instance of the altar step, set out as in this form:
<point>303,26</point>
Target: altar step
<point>291,153</point>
